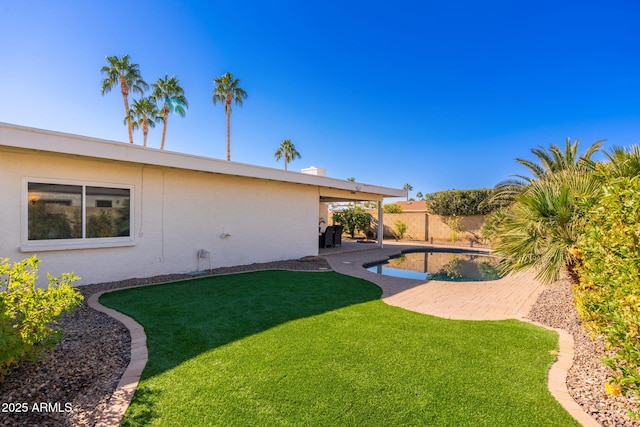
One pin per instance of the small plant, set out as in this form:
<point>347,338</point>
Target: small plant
<point>400,228</point>
<point>28,313</point>
<point>453,222</point>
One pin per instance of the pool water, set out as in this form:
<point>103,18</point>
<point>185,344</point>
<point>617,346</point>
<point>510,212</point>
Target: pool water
<point>445,265</point>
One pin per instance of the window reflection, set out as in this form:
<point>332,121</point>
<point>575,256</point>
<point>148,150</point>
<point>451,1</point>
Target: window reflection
<point>107,212</point>
<point>55,211</point>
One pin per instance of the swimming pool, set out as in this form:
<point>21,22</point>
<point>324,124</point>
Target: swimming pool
<point>451,265</point>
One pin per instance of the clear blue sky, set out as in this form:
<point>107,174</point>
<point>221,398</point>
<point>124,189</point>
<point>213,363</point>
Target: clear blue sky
<point>439,95</point>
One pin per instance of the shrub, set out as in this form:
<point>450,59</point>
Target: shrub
<point>28,313</point>
<point>608,295</point>
<point>455,227</point>
<point>458,202</point>
<point>392,208</point>
<point>400,228</point>
<point>352,219</point>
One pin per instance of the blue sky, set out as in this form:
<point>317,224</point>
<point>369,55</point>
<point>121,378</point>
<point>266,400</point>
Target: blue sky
<point>439,95</point>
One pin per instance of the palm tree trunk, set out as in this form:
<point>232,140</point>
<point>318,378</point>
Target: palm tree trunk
<point>229,132</point>
<point>145,130</point>
<point>164,128</point>
<point>129,127</point>
<point>125,97</point>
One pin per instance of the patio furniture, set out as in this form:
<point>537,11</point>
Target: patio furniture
<point>337,235</point>
<point>326,240</point>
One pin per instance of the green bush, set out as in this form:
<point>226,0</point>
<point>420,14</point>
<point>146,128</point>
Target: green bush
<point>28,313</point>
<point>608,295</point>
<point>400,228</point>
<point>392,208</point>
<point>453,222</point>
<point>458,202</point>
<point>352,219</point>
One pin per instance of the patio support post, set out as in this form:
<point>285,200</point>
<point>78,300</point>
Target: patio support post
<point>380,224</point>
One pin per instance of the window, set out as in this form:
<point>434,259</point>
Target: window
<point>75,213</point>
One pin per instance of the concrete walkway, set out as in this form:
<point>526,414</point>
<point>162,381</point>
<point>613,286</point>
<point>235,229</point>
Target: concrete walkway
<point>511,297</point>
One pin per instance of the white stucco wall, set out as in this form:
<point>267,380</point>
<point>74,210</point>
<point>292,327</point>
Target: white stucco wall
<point>176,213</point>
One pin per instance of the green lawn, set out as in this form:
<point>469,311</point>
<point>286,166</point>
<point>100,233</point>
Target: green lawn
<point>321,349</point>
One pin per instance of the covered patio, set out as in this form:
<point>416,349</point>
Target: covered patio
<point>360,193</point>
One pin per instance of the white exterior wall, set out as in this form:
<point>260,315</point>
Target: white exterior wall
<point>176,213</point>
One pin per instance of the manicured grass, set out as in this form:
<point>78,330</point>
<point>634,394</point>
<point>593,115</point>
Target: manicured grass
<point>321,349</point>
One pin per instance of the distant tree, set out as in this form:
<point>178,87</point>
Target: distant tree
<point>143,114</point>
<point>458,202</point>
<point>351,179</point>
<point>287,151</point>
<point>120,71</point>
<point>408,187</point>
<point>352,219</point>
<point>170,93</point>
<point>419,195</point>
<point>392,208</point>
<point>228,90</point>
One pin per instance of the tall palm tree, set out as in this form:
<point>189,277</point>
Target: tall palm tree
<point>549,162</point>
<point>170,93</point>
<point>120,71</point>
<point>143,114</point>
<point>407,187</point>
<point>288,151</point>
<point>226,91</point>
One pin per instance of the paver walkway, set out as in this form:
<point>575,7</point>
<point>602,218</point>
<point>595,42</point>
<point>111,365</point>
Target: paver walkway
<point>509,298</point>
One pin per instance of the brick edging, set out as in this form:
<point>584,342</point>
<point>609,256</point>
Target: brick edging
<point>557,377</point>
<point>121,397</point>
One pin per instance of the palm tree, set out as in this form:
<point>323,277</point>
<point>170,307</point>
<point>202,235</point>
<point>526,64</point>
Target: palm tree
<point>143,114</point>
<point>288,151</point>
<point>623,162</point>
<point>226,91</point>
<point>168,91</point>
<point>127,75</point>
<point>549,162</point>
<point>541,227</point>
<point>407,187</point>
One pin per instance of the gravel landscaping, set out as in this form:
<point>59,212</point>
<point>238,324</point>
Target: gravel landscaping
<point>73,383</point>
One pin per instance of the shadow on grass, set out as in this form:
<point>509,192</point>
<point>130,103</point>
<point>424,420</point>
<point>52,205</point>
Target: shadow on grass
<point>184,319</point>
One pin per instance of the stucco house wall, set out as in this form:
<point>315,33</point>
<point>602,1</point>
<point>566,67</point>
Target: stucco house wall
<point>181,206</point>
<point>176,213</point>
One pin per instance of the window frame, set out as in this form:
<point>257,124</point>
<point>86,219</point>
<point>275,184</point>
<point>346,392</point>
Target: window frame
<point>79,242</point>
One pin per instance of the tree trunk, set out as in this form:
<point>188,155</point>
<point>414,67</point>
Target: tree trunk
<point>164,128</point>
<point>229,132</point>
<point>145,130</point>
<point>125,97</point>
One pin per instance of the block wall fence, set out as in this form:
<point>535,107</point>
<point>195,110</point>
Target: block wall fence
<point>422,226</point>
